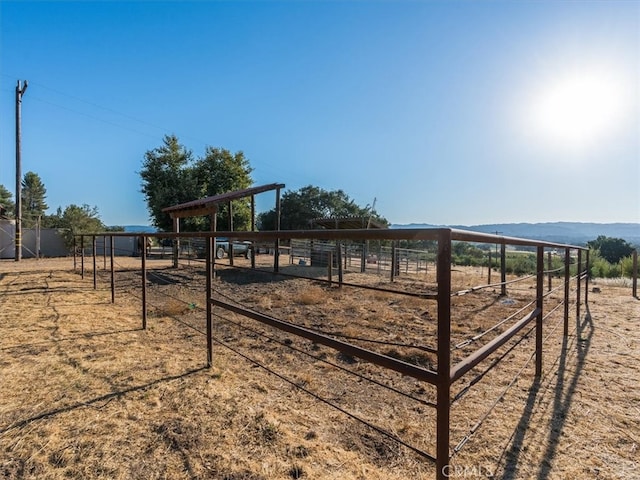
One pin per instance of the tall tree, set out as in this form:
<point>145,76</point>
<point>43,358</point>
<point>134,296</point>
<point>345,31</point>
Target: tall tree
<point>166,179</point>
<point>220,171</point>
<point>33,195</point>
<point>299,207</point>
<point>171,176</point>
<point>79,219</point>
<point>6,204</point>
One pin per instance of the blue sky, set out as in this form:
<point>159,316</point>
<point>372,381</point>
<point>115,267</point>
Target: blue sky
<point>444,112</point>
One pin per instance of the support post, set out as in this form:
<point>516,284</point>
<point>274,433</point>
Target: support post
<point>176,241</point>
<point>231,230</point>
<point>634,281</point>
<point>104,252</point>
<point>586,278</point>
<point>443,409</point>
<point>489,274</point>
<point>567,282</point>
<point>503,269</point>
<point>578,290</point>
<point>20,89</point>
<point>82,256</point>
<point>339,262</point>
<point>209,255</point>
<point>539,305</point>
<point>549,268</point>
<point>113,279</point>
<point>276,253</point>
<point>75,247</point>
<point>93,254</point>
<point>143,256</point>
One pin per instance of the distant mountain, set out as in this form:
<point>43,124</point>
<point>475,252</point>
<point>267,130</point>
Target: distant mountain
<point>575,233</point>
<point>139,228</point>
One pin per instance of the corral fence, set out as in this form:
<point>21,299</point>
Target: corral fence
<point>530,309</point>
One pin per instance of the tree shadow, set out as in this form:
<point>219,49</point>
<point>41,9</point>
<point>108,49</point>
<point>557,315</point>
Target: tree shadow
<point>563,396</point>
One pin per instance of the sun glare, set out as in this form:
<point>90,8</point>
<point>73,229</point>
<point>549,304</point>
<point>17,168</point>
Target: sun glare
<point>579,110</point>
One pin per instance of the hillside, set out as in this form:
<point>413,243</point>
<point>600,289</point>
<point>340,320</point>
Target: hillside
<point>563,232</point>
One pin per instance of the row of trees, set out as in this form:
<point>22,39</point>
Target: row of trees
<point>171,175</point>
<point>33,200</point>
<point>70,220</point>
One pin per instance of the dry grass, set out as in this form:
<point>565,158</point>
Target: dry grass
<point>86,393</point>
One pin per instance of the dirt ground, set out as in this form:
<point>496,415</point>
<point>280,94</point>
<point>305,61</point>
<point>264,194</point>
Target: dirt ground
<point>86,393</point>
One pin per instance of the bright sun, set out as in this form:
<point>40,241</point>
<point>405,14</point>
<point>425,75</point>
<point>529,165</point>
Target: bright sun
<point>578,110</point>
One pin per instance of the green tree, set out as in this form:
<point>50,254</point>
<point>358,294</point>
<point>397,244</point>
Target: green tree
<point>166,179</point>
<point>220,171</point>
<point>611,249</point>
<point>6,203</point>
<point>298,208</point>
<point>79,219</point>
<point>171,176</point>
<point>33,199</point>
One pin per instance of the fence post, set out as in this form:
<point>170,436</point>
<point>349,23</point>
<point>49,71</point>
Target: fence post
<point>82,256</point>
<point>634,281</point>
<point>113,282</point>
<point>104,252</point>
<point>567,281</point>
<point>339,262</point>
<point>393,259</point>
<point>539,305</point>
<point>75,247</point>
<point>209,271</point>
<point>443,386</point>
<point>579,278</point>
<point>93,254</point>
<point>489,274</point>
<point>503,269</point>
<point>586,278</point>
<point>549,268</point>
<point>143,256</point>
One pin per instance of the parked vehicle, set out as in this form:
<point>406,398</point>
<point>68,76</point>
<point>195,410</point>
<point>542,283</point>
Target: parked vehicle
<point>239,248</point>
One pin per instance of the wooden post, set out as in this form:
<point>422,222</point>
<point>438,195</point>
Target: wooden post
<point>489,274</point>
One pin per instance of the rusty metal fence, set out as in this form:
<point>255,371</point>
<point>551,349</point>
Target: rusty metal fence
<point>343,258</point>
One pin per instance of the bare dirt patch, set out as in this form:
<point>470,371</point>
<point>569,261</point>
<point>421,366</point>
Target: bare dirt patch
<point>86,393</point>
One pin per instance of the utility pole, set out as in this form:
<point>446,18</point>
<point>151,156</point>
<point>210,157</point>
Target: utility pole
<point>20,89</point>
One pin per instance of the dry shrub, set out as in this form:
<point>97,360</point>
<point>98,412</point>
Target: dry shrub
<point>314,295</point>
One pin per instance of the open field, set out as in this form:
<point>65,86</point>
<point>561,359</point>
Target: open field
<point>86,393</point>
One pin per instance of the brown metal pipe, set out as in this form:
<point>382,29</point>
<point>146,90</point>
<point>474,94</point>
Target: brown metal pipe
<point>479,355</point>
<point>373,357</point>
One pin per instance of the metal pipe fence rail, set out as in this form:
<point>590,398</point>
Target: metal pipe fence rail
<point>347,255</point>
